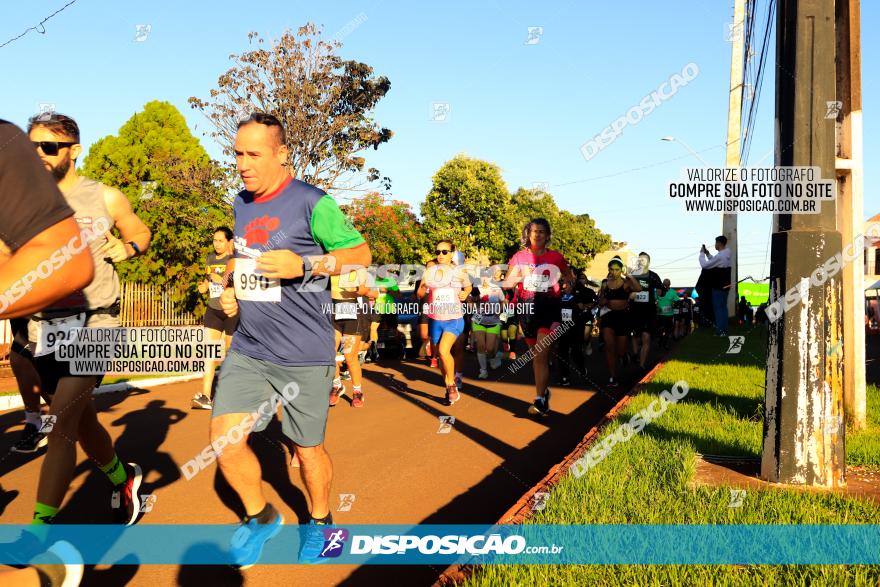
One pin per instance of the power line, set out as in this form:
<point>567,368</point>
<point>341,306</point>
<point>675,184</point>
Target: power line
<point>625,171</point>
<point>39,26</point>
<point>757,74</point>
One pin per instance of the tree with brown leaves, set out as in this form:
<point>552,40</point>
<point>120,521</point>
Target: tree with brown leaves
<point>324,102</point>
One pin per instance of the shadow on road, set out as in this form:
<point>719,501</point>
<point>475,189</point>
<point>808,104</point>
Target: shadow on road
<point>521,469</point>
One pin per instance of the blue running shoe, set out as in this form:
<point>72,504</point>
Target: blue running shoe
<point>247,543</point>
<point>60,566</point>
<point>320,546</point>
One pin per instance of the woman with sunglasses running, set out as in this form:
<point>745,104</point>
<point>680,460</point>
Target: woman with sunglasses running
<point>537,274</point>
<point>446,286</point>
<point>614,315</point>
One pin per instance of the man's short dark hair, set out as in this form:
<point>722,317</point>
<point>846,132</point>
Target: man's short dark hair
<point>60,124</point>
<point>266,120</point>
<point>644,254</point>
<point>721,239</point>
<point>227,232</point>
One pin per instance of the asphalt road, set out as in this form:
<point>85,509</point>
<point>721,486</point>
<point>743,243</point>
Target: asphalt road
<point>389,455</point>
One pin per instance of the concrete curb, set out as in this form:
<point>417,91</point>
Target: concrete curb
<point>458,574</point>
<point>12,402</point>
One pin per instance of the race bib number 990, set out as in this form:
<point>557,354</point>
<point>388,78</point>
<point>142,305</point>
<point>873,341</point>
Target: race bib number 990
<point>251,285</point>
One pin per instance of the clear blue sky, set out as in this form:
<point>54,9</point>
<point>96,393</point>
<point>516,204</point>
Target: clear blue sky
<point>526,107</point>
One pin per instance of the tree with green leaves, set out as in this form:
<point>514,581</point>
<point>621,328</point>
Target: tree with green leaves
<point>173,186</point>
<point>470,205</point>
<point>390,228</point>
<point>325,103</point>
<point>575,236</point>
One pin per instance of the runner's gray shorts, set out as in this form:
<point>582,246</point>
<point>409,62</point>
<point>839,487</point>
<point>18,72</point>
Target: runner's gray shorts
<point>247,385</point>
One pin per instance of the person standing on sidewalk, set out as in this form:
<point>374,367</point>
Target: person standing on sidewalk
<point>718,266</point>
<point>286,232</point>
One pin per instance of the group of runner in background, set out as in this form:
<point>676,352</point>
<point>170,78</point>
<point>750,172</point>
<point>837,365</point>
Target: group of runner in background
<point>487,309</point>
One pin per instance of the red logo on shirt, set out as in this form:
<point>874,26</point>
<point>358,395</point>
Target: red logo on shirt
<point>257,231</point>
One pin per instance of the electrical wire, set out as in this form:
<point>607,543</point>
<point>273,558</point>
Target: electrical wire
<point>39,26</point>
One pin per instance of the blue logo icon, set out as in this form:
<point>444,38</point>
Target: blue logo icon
<point>334,542</point>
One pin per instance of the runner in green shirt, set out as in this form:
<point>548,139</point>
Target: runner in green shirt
<point>666,298</point>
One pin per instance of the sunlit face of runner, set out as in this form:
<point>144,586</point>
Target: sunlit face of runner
<point>444,253</point>
<point>538,237</point>
<point>59,163</point>
<point>260,157</point>
<point>221,244</point>
<point>614,271</point>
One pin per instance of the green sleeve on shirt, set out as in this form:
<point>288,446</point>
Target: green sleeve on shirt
<point>331,229</point>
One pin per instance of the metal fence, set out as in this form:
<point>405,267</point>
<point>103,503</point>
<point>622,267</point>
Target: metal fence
<point>142,304</point>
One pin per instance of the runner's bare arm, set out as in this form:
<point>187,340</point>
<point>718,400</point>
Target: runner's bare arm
<point>334,261</point>
<point>466,290</point>
<point>228,303</point>
<point>362,290</point>
<point>18,275</point>
<point>569,277</point>
<point>131,228</point>
<point>514,276</point>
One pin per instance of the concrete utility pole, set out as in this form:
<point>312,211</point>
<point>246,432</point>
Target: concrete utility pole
<point>850,204</point>
<point>734,111</point>
<point>803,421</point>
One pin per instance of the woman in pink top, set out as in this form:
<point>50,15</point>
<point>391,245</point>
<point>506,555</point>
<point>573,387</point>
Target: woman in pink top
<point>447,286</point>
<point>536,273</point>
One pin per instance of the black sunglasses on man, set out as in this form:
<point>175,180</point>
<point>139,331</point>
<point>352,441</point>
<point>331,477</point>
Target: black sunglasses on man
<point>51,147</point>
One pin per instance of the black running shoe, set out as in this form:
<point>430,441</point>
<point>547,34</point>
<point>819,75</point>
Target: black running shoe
<point>541,406</point>
<point>31,440</point>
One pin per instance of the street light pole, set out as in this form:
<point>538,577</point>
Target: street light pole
<point>734,109</point>
<point>686,146</point>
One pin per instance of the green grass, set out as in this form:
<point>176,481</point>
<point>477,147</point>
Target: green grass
<point>648,479</point>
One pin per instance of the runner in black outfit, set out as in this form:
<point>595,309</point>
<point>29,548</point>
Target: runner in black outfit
<point>615,320</point>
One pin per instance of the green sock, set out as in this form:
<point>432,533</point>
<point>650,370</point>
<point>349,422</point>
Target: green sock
<point>43,514</point>
<point>115,471</point>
